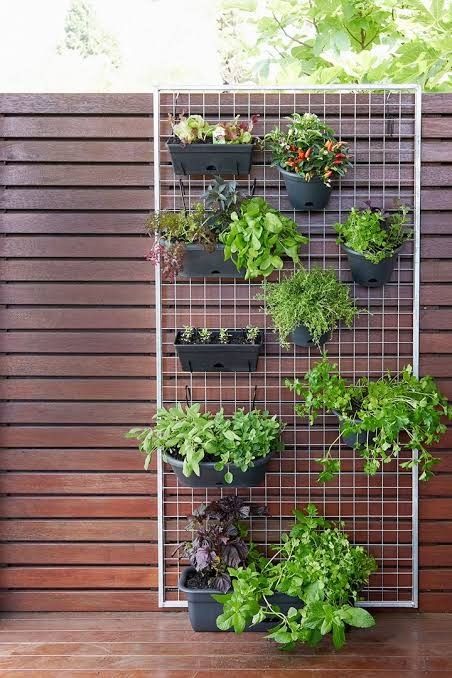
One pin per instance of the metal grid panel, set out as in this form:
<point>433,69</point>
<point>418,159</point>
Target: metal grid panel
<point>382,127</point>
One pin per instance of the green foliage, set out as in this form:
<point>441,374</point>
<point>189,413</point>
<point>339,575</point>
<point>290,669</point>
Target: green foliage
<point>195,129</point>
<point>395,413</point>
<point>348,41</point>
<point>185,227</point>
<point>373,234</point>
<point>259,236</point>
<point>252,334</point>
<point>204,335</point>
<point>308,148</point>
<point>188,334</point>
<point>317,564</point>
<point>223,336</point>
<point>221,199</point>
<point>194,436</point>
<point>314,298</point>
<point>84,35</point>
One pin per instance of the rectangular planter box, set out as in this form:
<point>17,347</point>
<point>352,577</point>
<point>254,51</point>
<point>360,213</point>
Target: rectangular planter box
<point>218,357</point>
<point>198,263</point>
<point>211,158</point>
<point>203,610</point>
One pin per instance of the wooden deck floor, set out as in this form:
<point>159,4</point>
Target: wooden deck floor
<point>162,645</point>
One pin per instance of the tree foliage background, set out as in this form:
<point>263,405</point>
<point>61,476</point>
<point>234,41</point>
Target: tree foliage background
<point>340,41</point>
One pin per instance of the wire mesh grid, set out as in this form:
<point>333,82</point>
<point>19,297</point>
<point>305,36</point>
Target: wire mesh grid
<point>379,512</point>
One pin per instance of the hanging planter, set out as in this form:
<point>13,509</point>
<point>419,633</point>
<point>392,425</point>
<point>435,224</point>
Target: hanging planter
<point>352,440</point>
<point>200,148</point>
<point>212,450</point>
<point>200,263</point>
<point>372,241</point>
<point>301,336</point>
<point>204,350</point>
<point>308,157</point>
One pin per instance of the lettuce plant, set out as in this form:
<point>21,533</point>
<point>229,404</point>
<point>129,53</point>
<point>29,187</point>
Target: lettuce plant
<point>315,563</point>
<point>194,129</point>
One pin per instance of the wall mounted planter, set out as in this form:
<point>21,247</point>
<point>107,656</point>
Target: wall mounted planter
<point>305,196</point>
<point>237,356</point>
<point>366,273</point>
<point>198,263</point>
<point>203,610</point>
<point>302,337</point>
<point>353,440</point>
<point>210,158</point>
<point>209,477</point>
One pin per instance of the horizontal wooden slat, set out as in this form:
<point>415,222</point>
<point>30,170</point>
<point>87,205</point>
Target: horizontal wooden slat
<point>76,319</point>
<point>71,342</point>
<point>74,247</point>
<point>77,366</point>
<point>60,601</point>
<point>96,294</point>
<point>65,436</point>
<point>76,175</point>
<point>75,483</point>
<point>90,577</point>
<point>66,553</point>
<point>79,507</point>
<point>73,412</point>
<point>77,270</point>
<point>78,389</point>
<point>76,104</point>
<point>72,530</point>
<point>77,199</point>
<point>106,223</point>
<point>75,126</point>
<point>71,460</point>
<point>76,151</point>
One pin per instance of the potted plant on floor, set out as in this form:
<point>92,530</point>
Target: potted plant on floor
<point>316,564</point>
<point>309,158</point>
<point>258,237</point>
<point>198,147</point>
<point>381,419</point>
<point>372,240</point>
<point>188,243</point>
<point>218,350</point>
<point>309,305</point>
<point>219,542</point>
<point>212,450</point>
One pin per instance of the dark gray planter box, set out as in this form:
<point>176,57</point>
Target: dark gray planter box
<point>198,263</point>
<point>203,610</point>
<point>210,158</point>
<point>305,196</point>
<point>366,273</point>
<point>230,357</point>
<point>209,477</point>
<point>302,337</point>
<point>352,440</point>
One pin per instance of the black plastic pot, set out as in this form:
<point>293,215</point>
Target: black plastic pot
<point>302,337</point>
<point>304,195</point>
<point>198,263</point>
<point>210,158</point>
<point>352,440</point>
<point>209,477</point>
<point>232,357</point>
<point>366,273</point>
<point>203,610</point>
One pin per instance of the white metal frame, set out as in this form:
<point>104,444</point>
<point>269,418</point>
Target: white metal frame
<point>408,89</point>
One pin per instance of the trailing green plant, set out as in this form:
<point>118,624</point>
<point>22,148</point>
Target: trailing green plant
<point>308,148</point>
<point>193,436</point>
<point>313,298</point>
<point>194,129</point>
<point>374,234</point>
<point>219,539</point>
<point>316,563</point>
<point>394,414</point>
<point>259,236</point>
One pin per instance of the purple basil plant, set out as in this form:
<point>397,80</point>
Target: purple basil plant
<point>219,539</point>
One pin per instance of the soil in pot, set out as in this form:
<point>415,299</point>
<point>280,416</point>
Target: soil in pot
<point>209,477</point>
<point>366,273</point>
<point>203,610</point>
<point>236,356</point>
<point>302,337</point>
<point>305,196</point>
<point>206,158</point>
<point>199,263</point>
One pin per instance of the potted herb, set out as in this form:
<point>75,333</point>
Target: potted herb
<point>308,157</point>
<point>316,564</point>
<point>198,147</point>
<point>187,243</point>
<point>218,350</point>
<point>259,236</point>
<point>372,240</point>
<point>381,419</point>
<point>309,305</point>
<point>212,450</point>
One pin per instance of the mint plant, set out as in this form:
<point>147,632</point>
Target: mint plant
<point>374,234</point>
<point>313,298</point>
<point>396,413</point>
<point>316,563</point>
<point>259,236</point>
<point>194,436</point>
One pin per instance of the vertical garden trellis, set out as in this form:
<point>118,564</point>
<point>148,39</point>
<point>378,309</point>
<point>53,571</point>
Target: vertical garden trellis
<point>382,126</point>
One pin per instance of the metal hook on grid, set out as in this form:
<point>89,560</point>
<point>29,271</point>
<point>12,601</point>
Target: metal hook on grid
<point>253,189</point>
<point>183,195</point>
<point>188,399</point>
<point>253,404</point>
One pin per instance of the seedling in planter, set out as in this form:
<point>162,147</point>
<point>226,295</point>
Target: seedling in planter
<point>205,335</point>
<point>188,334</point>
<point>194,129</point>
<point>252,333</point>
<point>223,336</point>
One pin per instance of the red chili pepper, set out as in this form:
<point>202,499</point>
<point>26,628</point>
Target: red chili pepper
<point>301,156</point>
<point>340,156</point>
<point>328,173</point>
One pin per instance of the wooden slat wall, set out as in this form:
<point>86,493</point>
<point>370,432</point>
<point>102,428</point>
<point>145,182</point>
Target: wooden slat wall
<point>78,514</point>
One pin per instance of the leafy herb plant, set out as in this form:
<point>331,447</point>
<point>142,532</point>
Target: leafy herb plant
<point>204,335</point>
<point>308,148</point>
<point>252,334</point>
<point>223,336</point>
<point>395,413</point>
<point>194,436</point>
<point>315,299</point>
<point>259,236</point>
<point>194,129</point>
<point>374,234</point>
<point>219,540</point>
<point>317,564</point>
